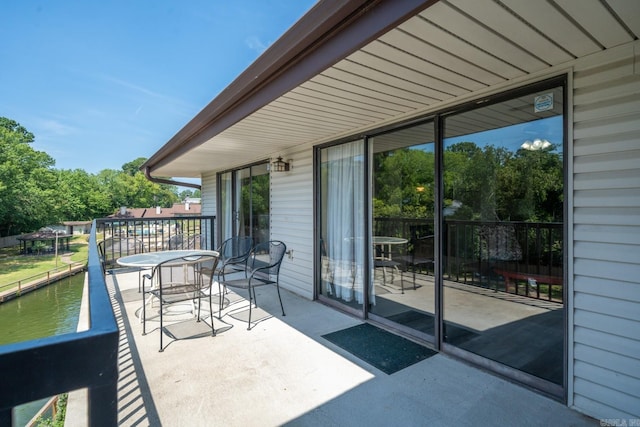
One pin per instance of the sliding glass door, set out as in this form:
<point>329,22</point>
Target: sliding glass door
<point>503,283</point>
<point>402,218</point>
<point>452,231</point>
<point>244,203</point>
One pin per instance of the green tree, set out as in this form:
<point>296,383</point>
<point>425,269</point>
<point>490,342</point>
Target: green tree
<point>27,181</point>
<point>133,167</point>
<point>81,196</point>
<point>404,184</point>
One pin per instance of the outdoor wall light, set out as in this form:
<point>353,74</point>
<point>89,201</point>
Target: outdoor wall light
<point>280,165</point>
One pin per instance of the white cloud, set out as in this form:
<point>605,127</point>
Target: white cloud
<point>537,144</point>
<point>256,44</point>
<point>55,127</point>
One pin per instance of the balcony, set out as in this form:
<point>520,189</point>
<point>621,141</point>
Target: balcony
<point>282,372</point>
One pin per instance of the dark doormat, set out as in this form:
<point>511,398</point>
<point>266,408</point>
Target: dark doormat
<point>423,322</point>
<point>379,348</point>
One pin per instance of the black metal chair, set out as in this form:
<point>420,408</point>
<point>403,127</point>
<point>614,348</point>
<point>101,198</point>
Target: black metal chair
<point>112,248</point>
<point>420,254</point>
<point>263,268</point>
<point>383,260</point>
<point>180,279</point>
<point>234,253</point>
<point>186,241</point>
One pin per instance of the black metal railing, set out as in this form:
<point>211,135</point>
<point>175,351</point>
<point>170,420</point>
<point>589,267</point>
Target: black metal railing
<point>45,367</point>
<point>126,236</point>
<point>523,258</point>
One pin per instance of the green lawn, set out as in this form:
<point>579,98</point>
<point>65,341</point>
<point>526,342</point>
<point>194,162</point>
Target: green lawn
<point>14,266</point>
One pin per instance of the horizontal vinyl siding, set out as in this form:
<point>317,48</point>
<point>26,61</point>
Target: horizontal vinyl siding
<point>292,220</point>
<point>208,200</point>
<point>606,228</point>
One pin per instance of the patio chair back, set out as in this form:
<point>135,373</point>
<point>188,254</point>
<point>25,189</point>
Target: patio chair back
<point>264,269</point>
<point>112,248</point>
<point>235,249</point>
<point>266,258</point>
<point>186,241</point>
<point>186,278</point>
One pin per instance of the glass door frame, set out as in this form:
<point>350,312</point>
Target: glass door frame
<point>554,390</point>
<point>235,193</point>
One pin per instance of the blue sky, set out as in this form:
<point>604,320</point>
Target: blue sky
<point>101,83</point>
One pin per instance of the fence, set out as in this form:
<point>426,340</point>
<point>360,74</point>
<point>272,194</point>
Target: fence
<point>523,258</point>
<point>127,236</point>
<point>8,241</point>
<point>19,287</point>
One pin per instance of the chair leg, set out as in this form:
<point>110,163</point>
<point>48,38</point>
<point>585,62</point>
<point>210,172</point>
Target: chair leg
<point>161,349</point>
<point>280,298</point>
<point>220,299</point>
<point>144,315</point>
<point>213,330</point>
<point>250,304</point>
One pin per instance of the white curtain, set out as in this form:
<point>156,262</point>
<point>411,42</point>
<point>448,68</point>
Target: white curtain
<point>345,220</point>
<point>225,209</point>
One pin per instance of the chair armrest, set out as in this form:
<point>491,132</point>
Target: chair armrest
<point>259,274</point>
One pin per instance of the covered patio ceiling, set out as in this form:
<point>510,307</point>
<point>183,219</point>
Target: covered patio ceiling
<point>351,66</point>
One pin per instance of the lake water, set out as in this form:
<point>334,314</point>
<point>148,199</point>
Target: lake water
<point>52,310</point>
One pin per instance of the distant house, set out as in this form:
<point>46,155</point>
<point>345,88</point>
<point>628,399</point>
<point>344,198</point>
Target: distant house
<point>191,207</point>
<point>77,227</point>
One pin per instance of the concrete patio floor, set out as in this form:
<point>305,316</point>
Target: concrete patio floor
<point>282,372</point>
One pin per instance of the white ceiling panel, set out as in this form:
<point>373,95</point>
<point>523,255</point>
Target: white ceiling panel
<point>485,37</point>
<point>449,50</point>
<point>423,66</point>
<point>594,17</point>
<point>420,79</point>
<point>321,93</point>
<point>627,11</point>
<point>438,53</point>
<point>514,29</point>
<point>544,17</point>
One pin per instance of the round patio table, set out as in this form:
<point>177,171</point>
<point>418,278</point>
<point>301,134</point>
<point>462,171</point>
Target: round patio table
<point>151,259</point>
<point>148,260</point>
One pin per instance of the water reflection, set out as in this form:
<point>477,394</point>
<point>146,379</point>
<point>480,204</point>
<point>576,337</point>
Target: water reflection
<point>52,310</point>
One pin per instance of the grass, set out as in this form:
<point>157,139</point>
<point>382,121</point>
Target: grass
<point>14,266</point>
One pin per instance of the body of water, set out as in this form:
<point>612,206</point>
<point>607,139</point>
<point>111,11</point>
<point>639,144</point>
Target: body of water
<point>52,310</point>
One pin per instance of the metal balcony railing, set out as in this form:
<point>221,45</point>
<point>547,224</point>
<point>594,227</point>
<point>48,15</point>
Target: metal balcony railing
<point>45,367</point>
<point>126,236</point>
<point>523,258</point>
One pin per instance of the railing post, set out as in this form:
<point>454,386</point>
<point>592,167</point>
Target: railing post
<point>103,405</point>
<point>5,417</point>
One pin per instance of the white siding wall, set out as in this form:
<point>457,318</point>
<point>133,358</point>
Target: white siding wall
<point>291,217</point>
<point>208,201</point>
<point>292,220</point>
<point>606,247</point>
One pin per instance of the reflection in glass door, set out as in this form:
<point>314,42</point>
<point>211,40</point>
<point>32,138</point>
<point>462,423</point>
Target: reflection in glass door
<point>503,276</point>
<point>403,285</point>
<point>244,203</point>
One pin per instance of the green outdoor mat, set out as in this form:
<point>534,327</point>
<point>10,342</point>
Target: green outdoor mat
<point>379,348</point>
<point>423,322</point>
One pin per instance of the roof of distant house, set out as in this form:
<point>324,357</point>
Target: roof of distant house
<point>178,209</point>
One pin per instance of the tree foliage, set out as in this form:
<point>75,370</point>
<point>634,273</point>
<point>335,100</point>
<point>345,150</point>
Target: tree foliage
<point>34,194</point>
<point>483,183</point>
